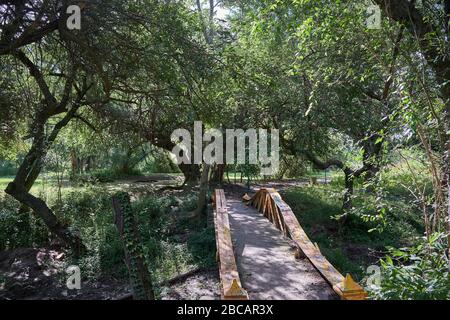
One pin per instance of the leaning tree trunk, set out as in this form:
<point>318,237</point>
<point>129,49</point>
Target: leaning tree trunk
<point>24,228</point>
<point>31,166</point>
<point>41,209</point>
<point>19,189</point>
<point>27,174</point>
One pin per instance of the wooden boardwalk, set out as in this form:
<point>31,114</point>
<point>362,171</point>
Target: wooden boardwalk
<point>264,253</point>
<point>266,262</point>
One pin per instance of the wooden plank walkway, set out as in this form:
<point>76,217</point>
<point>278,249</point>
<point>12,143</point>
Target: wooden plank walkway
<point>265,259</point>
<point>265,254</point>
<point>269,202</point>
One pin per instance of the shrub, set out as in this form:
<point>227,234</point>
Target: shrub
<point>19,230</point>
<point>202,245</point>
<point>8,222</point>
<point>189,204</point>
<point>420,272</point>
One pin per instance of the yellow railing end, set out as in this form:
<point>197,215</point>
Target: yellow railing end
<point>235,292</point>
<point>349,289</point>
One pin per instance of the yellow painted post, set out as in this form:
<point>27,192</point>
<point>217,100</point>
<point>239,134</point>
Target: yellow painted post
<point>350,290</point>
<point>235,292</point>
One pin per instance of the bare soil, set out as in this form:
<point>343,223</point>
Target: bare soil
<point>38,274</point>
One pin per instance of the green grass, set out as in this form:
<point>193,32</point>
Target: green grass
<point>315,208</point>
<point>4,182</point>
<point>46,185</point>
<point>354,246</point>
<point>47,181</point>
<point>322,174</point>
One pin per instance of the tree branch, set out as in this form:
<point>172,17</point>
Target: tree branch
<point>38,76</point>
<point>86,122</point>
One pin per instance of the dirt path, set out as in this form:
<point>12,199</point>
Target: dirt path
<point>265,259</point>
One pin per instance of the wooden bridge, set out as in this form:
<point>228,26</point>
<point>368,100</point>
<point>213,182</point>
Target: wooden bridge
<point>264,253</point>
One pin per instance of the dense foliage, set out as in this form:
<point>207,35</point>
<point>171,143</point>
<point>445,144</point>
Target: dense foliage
<point>82,109</point>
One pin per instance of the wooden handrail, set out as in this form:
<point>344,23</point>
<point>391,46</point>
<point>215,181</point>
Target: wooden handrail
<point>231,287</point>
<point>271,205</point>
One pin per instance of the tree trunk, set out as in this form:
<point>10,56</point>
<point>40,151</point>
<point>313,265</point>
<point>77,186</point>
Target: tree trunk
<point>173,166</point>
<point>126,165</point>
<point>218,174</point>
<point>349,181</point>
<point>89,163</point>
<point>191,173</point>
<point>41,209</point>
<point>24,215</point>
<point>201,204</point>
<point>372,157</point>
<point>448,220</point>
<point>125,168</point>
<point>27,174</point>
<point>32,164</point>
<point>74,163</point>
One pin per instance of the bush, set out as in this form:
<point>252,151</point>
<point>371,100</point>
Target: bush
<point>8,223</point>
<point>161,163</point>
<point>19,230</point>
<point>151,214</point>
<point>202,245</point>
<point>89,213</point>
<point>104,175</point>
<point>189,204</point>
<point>420,272</point>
